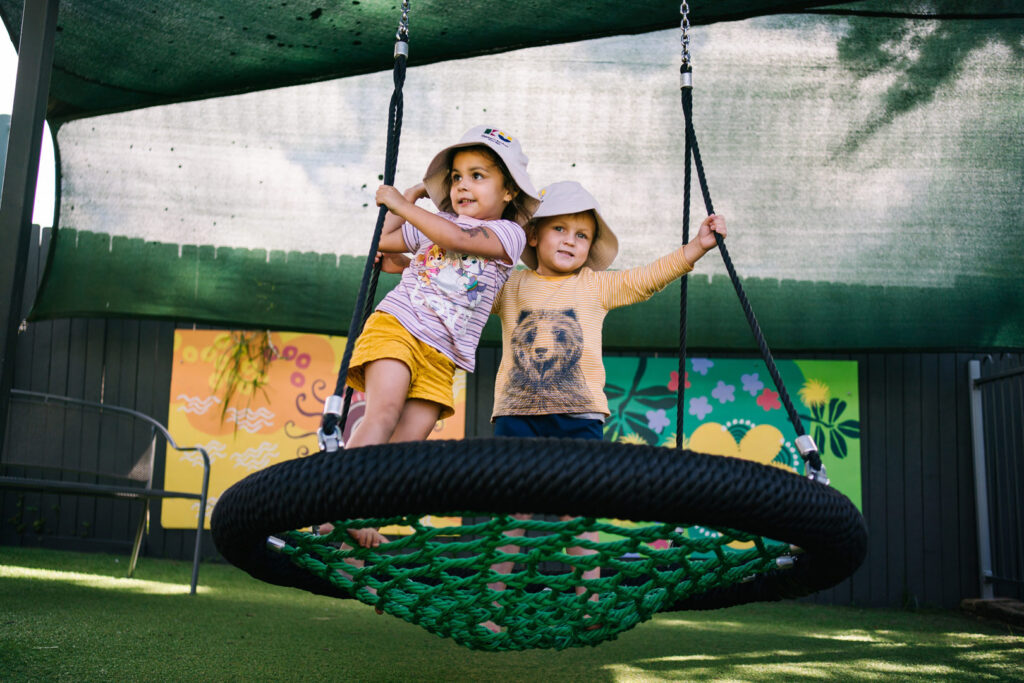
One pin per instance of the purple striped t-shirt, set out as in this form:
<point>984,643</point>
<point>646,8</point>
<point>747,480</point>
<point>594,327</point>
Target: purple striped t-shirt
<point>444,298</point>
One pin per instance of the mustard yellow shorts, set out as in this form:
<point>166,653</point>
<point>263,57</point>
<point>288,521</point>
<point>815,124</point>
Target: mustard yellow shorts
<point>433,373</point>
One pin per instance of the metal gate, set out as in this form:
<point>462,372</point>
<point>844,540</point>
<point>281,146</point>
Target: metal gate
<point>997,425</point>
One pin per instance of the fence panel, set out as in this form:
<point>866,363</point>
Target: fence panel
<point>997,397</point>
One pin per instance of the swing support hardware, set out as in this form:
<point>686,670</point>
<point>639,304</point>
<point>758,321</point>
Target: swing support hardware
<point>805,444</point>
<point>821,542</point>
<point>402,34</point>
<point>330,441</point>
<point>686,69</point>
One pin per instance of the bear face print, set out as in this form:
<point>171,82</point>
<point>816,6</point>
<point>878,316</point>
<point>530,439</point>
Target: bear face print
<point>546,377</point>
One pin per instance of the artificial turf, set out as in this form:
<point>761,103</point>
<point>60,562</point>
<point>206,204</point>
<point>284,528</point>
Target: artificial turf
<point>73,616</point>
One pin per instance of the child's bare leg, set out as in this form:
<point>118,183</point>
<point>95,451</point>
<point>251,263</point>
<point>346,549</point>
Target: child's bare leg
<point>594,573</point>
<point>417,420</point>
<point>505,567</point>
<point>387,383</point>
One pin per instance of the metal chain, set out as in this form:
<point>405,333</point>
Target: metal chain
<point>684,39</point>
<point>403,25</point>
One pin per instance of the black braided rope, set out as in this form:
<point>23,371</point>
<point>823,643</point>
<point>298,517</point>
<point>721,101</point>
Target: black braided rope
<point>507,475</point>
<point>683,292</point>
<point>371,271</point>
<point>813,459</point>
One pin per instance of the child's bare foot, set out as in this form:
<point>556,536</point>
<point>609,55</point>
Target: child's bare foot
<point>490,625</point>
<point>367,537</point>
<point>587,617</point>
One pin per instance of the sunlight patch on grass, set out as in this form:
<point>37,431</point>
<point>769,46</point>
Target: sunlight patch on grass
<point>788,671</point>
<point>853,637</point>
<point>626,673</point>
<point>992,657</point>
<point>683,658</point>
<point>705,625</point>
<point>981,637</point>
<point>95,581</point>
<point>914,669</point>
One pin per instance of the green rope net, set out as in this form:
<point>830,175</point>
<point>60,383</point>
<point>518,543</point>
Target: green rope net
<point>443,579</point>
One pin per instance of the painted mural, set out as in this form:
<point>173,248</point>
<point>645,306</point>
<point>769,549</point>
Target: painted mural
<point>732,408</point>
<point>252,402</point>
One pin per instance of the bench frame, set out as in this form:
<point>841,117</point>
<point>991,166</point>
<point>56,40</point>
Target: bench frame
<point>144,493</point>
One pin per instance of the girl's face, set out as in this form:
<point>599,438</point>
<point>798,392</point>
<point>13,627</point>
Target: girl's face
<point>563,242</point>
<point>478,186</point>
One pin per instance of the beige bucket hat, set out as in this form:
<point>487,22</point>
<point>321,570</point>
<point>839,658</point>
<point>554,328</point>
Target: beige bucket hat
<point>501,143</point>
<point>559,199</point>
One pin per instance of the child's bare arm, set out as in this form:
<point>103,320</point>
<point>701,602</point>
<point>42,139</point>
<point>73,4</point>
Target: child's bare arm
<point>478,241</point>
<point>391,240</point>
<point>393,263</point>
<point>626,287</point>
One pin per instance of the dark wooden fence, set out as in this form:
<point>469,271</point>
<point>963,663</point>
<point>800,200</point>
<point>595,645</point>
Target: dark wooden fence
<point>918,486</point>
<point>121,362</point>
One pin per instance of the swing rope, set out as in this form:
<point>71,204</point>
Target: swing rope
<point>332,424</point>
<point>684,40</point>
<point>805,445</point>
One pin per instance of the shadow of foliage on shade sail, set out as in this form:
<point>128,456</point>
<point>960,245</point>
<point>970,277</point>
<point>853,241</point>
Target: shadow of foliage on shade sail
<point>926,52</point>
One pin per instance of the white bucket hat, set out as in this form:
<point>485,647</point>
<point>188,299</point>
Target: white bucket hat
<point>559,199</point>
<point>501,143</point>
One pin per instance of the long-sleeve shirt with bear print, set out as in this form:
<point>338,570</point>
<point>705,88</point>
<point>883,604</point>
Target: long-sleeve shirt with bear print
<point>551,361</point>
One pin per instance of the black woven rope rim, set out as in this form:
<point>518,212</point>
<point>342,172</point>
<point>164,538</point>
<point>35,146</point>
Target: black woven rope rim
<point>504,475</point>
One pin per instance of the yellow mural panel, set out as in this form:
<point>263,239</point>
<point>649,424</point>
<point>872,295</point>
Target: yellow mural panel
<point>267,420</point>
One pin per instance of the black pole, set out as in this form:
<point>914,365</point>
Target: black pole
<point>35,60</point>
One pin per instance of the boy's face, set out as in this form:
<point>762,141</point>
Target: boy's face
<point>478,186</point>
<point>563,242</point>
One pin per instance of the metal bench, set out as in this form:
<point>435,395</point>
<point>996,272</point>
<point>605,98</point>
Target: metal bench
<point>35,470</point>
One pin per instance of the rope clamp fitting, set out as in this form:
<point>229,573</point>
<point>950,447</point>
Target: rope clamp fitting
<point>401,48</point>
<point>333,441</point>
<point>785,562</point>
<point>805,444</point>
<point>276,544</point>
<point>820,476</point>
<point>685,78</point>
<point>333,405</point>
<point>329,442</point>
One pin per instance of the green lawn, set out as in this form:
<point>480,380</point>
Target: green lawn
<point>71,616</point>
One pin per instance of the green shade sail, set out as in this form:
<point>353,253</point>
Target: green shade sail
<point>866,156</point>
<point>115,55</point>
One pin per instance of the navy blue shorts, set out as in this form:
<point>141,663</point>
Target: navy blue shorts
<point>560,426</point>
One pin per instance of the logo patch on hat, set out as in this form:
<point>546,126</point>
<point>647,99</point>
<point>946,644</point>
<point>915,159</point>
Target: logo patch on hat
<point>497,137</point>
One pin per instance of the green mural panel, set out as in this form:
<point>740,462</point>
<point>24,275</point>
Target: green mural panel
<point>732,408</point>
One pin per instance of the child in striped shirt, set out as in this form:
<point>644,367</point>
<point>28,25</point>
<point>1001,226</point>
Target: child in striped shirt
<point>405,358</point>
